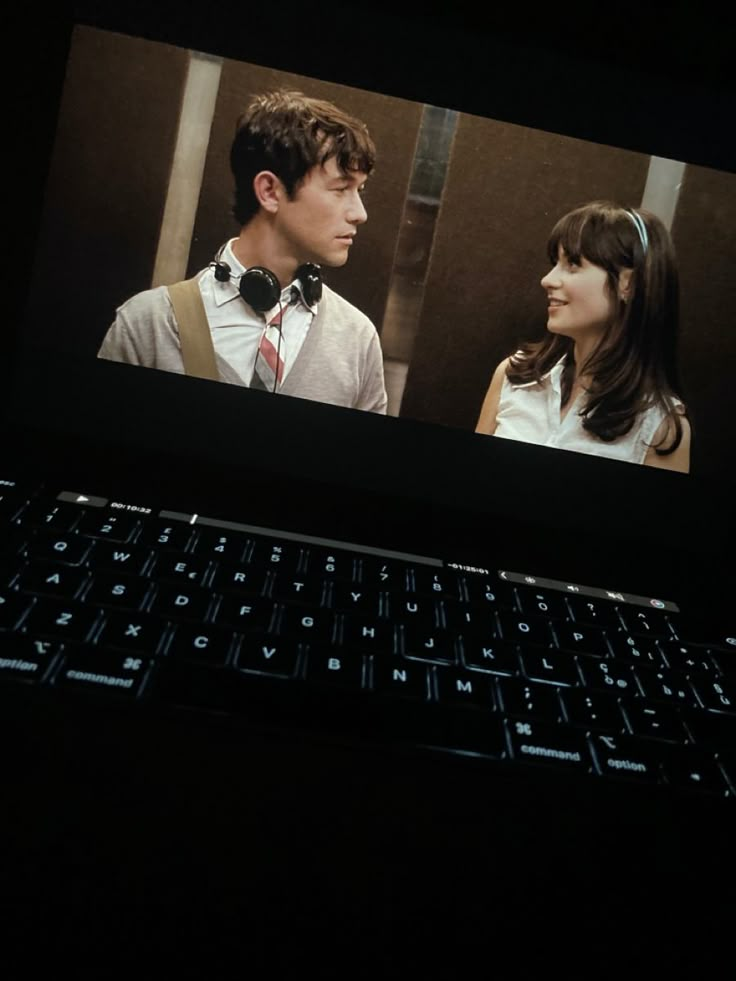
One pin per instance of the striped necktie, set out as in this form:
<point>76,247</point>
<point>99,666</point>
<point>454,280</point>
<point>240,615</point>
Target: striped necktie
<point>272,348</point>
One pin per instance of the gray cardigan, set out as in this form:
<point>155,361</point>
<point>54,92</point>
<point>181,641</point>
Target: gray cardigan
<point>339,363</point>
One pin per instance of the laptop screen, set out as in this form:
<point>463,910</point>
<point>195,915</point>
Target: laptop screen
<point>509,302</point>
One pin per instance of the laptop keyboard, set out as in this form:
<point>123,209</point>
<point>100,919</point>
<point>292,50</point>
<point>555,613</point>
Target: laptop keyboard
<point>150,608</point>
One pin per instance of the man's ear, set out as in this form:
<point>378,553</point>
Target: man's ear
<point>268,190</point>
<point>624,283</point>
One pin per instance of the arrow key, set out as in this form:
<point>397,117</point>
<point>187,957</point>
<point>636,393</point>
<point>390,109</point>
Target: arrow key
<point>695,770</point>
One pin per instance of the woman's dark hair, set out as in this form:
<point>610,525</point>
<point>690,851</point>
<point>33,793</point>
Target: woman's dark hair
<point>635,364</point>
<point>288,134</point>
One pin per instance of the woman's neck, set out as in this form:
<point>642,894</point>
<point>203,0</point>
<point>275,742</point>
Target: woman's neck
<point>583,348</point>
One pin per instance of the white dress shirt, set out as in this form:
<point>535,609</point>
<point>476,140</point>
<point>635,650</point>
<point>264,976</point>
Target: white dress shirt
<point>531,412</point>
<point>237,329</point>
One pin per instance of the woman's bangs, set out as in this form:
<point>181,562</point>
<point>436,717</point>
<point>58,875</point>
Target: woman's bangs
<point>568,235</point>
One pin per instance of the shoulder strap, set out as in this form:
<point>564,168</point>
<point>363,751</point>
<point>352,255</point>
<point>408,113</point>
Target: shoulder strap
<point>197,350</point>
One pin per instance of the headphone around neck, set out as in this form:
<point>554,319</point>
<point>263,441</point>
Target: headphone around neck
<point>260,288</point>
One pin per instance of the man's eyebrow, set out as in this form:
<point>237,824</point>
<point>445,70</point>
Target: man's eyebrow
<point>351,178</point>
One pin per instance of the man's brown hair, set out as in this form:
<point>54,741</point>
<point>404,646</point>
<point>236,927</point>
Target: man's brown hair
<point>288,133</point>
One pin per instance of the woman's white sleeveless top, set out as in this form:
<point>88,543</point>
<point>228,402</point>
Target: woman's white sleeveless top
<point>531,412</point>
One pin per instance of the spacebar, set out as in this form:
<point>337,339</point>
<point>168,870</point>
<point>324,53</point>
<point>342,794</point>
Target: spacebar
<point>293,702</point>
<point>222,690</point>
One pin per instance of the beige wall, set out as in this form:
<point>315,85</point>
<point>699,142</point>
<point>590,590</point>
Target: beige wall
<point>107,184</point>
<point>704,233</point>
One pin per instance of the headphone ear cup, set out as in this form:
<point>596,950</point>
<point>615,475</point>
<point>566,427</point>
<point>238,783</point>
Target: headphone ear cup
<point>259,288</point>
<point>310,277</point>
<point>222,271</point>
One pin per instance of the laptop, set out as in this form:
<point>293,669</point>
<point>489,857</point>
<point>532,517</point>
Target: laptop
<point>548,748</point>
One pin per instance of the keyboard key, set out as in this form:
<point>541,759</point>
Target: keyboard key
<point>26,658</point>
<point>711,729</point>
<point>645,623</point>
<point>112,527</point>
<point>377,573</point>
<point>469,619</point>
<point>12,499</point>
<point>478,733</point>
<point>560,746</point>
<point>628,756</point>
<point>158,535</point>
<point>600,675</point>
<point>592,710</point>
<point>727,763</point>
<point>241,579</point>
<point>261,694</point>
<point>525,630</point>
<point>245,614</point>
<point>417,614</point>
<point>400,678</point>
<point>667,686</point>
<point>110,557</point>
<point>295,589</point>
<point>336,565</point>
<point>49,514</point>
<point>351,598</point>
<point>69,549</point>
<point>47,579</point>
<point>188,602</point>
<point>464,688</point>
<point>371,636</point>
<point>134,632</point>
<point>10,565</point>
<point>217,544</point>
<point>552,667</point>
<point>498,595</point>
<point>655,721</point>
<point>725,660</point>
<point>535,602</point>
<point>718,695</point>
<point>495,657</point>
<point>442,583</point>
<point>118,591</point>
<point>691,660</point>
<point>434,647</point>
<point>211,645</point>
<point>439,727</point>
<point>718,632</point>
<point>277,556</point>
<point>173,567</point>
<point>67,622</point>
<point>529,699</point>
<point>695,769</point>
<point>266,655</point>
<point>594,613</point>
<point>335,669</point>
<point>118,674</point>
<point>636,650</point>
<point>309,626</point>
<point>577,639</point>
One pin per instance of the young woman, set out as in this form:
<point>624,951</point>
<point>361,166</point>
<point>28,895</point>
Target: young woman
<point>604,379</point>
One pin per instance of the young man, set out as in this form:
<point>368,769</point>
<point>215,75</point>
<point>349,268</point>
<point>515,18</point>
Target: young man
<point>300,167</point>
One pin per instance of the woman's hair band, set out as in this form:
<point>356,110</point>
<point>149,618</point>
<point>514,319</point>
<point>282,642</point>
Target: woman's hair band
<point>641,229</point>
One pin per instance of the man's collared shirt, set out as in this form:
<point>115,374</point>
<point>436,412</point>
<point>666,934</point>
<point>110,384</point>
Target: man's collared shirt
<point>237,329</point>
